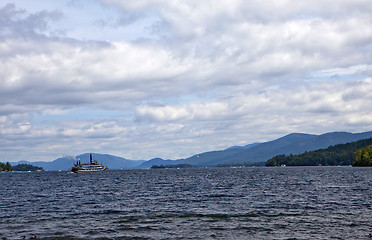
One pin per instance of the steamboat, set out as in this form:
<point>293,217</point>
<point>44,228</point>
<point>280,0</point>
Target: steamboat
<point>92,166</point>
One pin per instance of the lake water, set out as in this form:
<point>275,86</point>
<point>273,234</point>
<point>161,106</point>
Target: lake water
<point>213,203</point>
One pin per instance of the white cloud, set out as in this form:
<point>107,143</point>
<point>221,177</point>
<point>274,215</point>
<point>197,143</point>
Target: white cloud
<point>352,70</point>
<point>87,73</point>
<point>189,112</point>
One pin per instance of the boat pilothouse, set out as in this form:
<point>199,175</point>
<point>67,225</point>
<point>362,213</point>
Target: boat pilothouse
<point>92,166</point>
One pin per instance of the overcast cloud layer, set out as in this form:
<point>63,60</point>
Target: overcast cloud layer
<point>143,79</point>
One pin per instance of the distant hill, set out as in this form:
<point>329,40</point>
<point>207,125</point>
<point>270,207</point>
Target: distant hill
<point>63,164</point>
<point>155,161</point>
<point>243,147</point>
<point>112,162</point>
<point>294,143</point>
<point>254,153</point>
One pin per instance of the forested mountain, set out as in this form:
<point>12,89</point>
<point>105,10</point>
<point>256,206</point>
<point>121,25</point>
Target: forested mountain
<point>341,154</point>
<point>295,143</point>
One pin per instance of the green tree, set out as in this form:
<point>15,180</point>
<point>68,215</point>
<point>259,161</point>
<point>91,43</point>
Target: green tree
<point>8,166</point>
<point>363,157</point>
<point>5,167</point>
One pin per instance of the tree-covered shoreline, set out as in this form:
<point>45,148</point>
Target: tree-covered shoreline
<point>172,166</point>
<point>7,167</point>
<point>340,154</point>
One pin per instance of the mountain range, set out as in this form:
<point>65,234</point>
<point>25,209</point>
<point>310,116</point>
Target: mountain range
<point>294,143</point>
<point>66,163</point>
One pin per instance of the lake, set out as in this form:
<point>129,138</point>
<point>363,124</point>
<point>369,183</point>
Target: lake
<point>208,203</point>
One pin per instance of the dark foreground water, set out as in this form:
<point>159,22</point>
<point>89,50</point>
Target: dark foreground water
<point>218,203</point>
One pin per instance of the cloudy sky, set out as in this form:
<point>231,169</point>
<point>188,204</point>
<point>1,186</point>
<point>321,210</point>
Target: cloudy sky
<point>155,78</point>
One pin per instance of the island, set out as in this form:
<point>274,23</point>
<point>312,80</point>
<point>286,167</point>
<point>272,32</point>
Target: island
<point>26,168</point>
<point>7,167</point>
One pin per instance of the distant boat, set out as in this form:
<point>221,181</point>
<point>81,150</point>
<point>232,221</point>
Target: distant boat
<point>92,166</point>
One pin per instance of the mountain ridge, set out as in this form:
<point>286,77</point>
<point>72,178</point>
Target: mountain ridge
<point>293,143</point>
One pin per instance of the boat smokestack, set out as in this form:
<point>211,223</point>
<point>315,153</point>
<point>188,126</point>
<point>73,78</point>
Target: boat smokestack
<point>91,158</point>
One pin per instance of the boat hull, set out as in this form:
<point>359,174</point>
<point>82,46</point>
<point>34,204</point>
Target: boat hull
<point>83,170</point>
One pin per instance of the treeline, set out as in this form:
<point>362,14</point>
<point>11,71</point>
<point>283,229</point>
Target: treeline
<point>26,167</point>
<point>341,154</point>
<point>247,164</point>
<point>173,166</point>
<point>363,157</point>
<point>5,167</point>
<point>20,167</point>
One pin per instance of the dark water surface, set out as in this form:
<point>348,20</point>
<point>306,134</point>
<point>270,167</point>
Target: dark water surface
<point>213,203</point>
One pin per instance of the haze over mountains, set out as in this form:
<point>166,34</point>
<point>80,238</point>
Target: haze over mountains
<point>293,143</point>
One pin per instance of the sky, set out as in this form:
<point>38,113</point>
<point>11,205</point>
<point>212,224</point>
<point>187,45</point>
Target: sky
<point>144,79</point>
